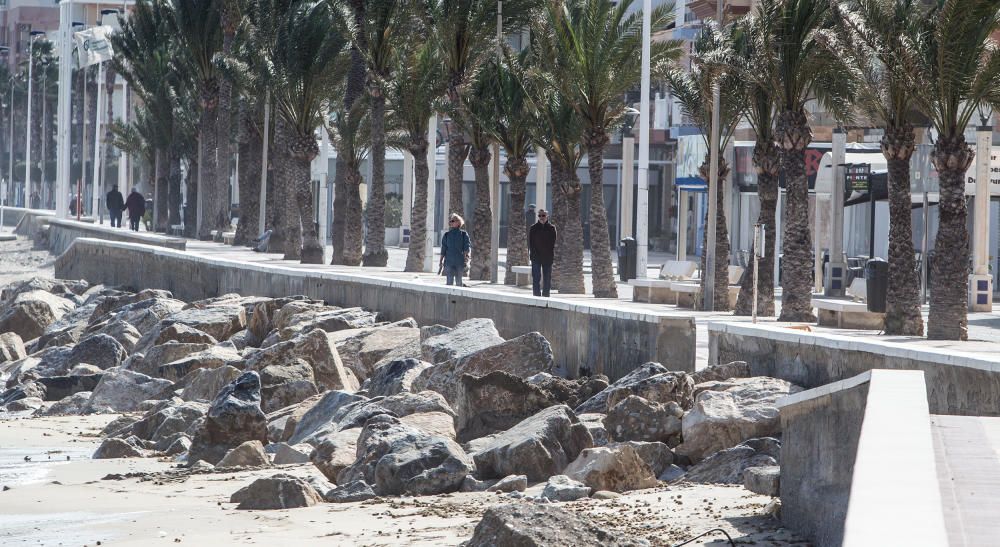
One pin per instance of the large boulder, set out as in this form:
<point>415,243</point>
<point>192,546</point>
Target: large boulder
<point>219,322</point>
<point>149,363</point>
<point>213,357</point>
<point>248,454</point>
<point>67,406</point>
<point>765,480</point>
<point>336,452</point>
<point>539,447</point>
<point>636,419</point>
<point>281,491</point>
<point>721,371</point>
<point>722,419</point>
<point>284,385</point>
<point>99,350</point>
<point>366,347</point>
<point>123,390</point>
<point>727,466</point>
<point>533,525</point>
<point>657,456</point>
<point>398,459</point>
<point>394,377</point>
<point>145,315</point>
<point>563,488</point>
<point>617,468</point>
<point>327,320</point>
<point>324,416</point>
<point>651,381</point>
<point>168,331</point>
<point>466,338</point>
<point>570,392</point>
<point>123,332</point>
<point>315,348</point>
<point>522,356</point>
<point>11,347</point>
<point>205,383</point>
<point>31,312</point>
<point>118,448</point>
<point>234,418</point>
<point>496,402</point>
<point>166,420</point>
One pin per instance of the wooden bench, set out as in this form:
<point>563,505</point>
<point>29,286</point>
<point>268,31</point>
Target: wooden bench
<point>689,293</point>
<point>658,291</point>
<point>848,313</point>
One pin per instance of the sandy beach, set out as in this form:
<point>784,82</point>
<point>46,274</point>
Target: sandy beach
<point>51,501</point>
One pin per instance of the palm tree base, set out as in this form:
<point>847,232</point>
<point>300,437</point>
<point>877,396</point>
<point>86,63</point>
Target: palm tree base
<point>904,326</point>
<point>793,317</point>
<point>312,254</point>
<point>378,259</point>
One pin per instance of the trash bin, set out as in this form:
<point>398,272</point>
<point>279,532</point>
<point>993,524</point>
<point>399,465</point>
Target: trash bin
<point>626,259</point>
<point>876,284</point>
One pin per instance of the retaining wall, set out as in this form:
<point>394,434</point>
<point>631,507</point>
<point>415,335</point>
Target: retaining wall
<point>857,463</point>
<point>962,384</point>
<point>63,232</point>
<point>611,342</point>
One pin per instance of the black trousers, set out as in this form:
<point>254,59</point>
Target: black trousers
<point>133,223</point>
<point>116,218</point>
<point>541,278</point>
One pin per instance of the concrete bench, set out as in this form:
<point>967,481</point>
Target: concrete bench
<point>677,270</point>
<point>846,313</point>
<point>658,291</point>
<point>228,237</point>
<point>522,275</point>
<point>175,230</point>
<point>689,292</point>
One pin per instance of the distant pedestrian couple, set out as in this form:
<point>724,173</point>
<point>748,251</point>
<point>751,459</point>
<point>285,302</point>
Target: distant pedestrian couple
<point>136,205</point>
<point>456,247</point>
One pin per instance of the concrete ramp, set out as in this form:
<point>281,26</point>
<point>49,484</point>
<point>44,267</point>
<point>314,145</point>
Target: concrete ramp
<point>967,455</point>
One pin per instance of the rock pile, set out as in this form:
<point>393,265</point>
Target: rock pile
<point>377,408</point>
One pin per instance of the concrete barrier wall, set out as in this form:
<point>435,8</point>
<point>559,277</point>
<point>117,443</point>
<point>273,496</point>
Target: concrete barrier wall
<point>604,341</point>
<point>63,232</point>
<point>857,463</point>
<point>962,384</point>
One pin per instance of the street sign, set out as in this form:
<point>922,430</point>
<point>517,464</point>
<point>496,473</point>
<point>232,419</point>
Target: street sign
<point>857,177</point>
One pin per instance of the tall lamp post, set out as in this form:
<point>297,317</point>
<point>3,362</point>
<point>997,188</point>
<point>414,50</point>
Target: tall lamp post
<point>642,197</point>
<point>4,52</point>
<point>27,142</point>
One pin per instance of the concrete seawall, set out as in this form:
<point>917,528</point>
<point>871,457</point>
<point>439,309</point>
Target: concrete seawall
<point>62,233</point>
<point>605,341</point>
<point>962,384</point>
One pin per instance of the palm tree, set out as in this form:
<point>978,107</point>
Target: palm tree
<point>466,34</point>
<point>599,44</point>
<point>197,23</point>
<point>479,109</point>
<point>308,62</point>
<point>954,68</point>
<point>801,71</point>
<point>747,61</point>
<point>385,27</point>
<point>510,123</point>
<point>350,131</point>
<point>557,127</point>
<point>347,225</point>
<point>870,37</point>
<point>416,88</point>
<point>694,91</point>
<point>229,20</point>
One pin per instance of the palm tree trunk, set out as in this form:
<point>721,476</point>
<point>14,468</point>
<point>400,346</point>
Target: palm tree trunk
<point>720,300</point>
<point>571,235</point>
<point>767,160</point>
<point>557,215</point>
<point>601,270</point>
<point>223,128</point>
<point>793,136</point>
<point>251,158</point>
<point>482,218</point>
<point>208,144</point>
<point>191,199</point>
<point>352,217</point>
<point>287,236</point>
<point>903,297</point>
<point>174,186</point>
<point>415,254</point>
<point>338,226</point>
<point>303,151</point>
<point>948,318</point>
<point>161,180</point>
<point>517,236</point>
<point>458,150</point>
<point>375,251</point>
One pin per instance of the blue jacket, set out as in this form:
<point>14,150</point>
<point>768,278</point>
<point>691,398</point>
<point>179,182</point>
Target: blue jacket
<point>454,244</point>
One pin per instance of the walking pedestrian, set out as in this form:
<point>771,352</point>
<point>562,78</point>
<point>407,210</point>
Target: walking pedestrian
<point>116,203</point>
<point>136,205</point>
<point>455,250</point>
<point>541,249</point>
<point>529,216</point>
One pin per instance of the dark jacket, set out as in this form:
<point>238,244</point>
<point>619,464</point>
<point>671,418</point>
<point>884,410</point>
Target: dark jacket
<point>136,205</point>
<point>115,201</point>
<point>454,244</point>
<point>542,242</point>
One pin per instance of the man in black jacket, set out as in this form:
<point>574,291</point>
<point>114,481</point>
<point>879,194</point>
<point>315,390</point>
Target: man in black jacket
<point>541,248</point>
<point>116,203</point>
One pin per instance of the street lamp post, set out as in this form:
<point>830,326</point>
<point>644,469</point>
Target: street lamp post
<point>4,51</point>
<point>27,143</point>
<point>642,196</point>
<point>713,191</point>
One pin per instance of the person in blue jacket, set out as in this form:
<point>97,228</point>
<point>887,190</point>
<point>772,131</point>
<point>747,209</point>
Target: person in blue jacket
<point>455,249</point>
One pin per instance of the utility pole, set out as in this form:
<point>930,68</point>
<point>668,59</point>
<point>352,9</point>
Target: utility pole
<point>495,187</point>
<point>642,195</point>
<point>712,185</point>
